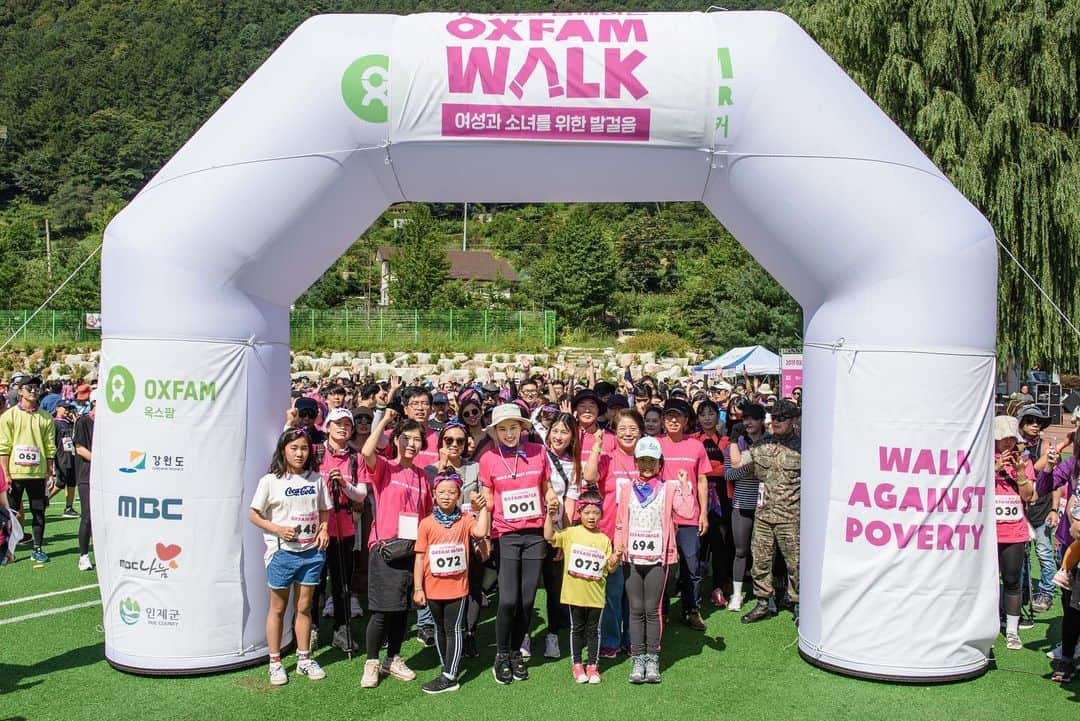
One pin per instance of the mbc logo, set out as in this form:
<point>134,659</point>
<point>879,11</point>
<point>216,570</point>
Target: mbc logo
<point>142,507</point>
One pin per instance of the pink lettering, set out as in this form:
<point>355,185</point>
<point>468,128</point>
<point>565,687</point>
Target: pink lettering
<point>619,73</point>
<point>877,532</point>
<point>576,87</point>
<point>539,26</point>
<point>535,56</point>
<point>462,76</point>
<point>465,28</point>
<point>859,494</point>
<point>926,538</point>
<point>903,537</point>
<point>894,459</point>
<point>962,532</point>
<point>962,461</point>
<point>854,529</point>
<point>622,29</point>
<point>944,538</point>
<point>943,498</point>
<point>575,29</point>
<point>943,464</point>
<point>912,499</point>
<point>925,462</point>
<point>884,497</point>
<point>976,534</point>
<point>503,29</point>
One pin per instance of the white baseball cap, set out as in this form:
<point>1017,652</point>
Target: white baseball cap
<point>339,414</point>
<point>648,447</point>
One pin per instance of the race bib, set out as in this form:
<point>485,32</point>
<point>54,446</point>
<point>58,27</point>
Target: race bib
<point>1008,509</point>
<point>760,495</point>
<point>68,444</point>
<point>446,559</point>
<point>306,526</point>
<point>586,562</point>
<point>406,525</point>
<point>26,455</point>
<point>645,546</point>
<point>521,505</point>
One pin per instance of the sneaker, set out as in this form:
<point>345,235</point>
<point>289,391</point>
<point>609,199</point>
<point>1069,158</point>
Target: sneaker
<point>718,598</point>
<point>579,674</point>
<point>426,636</point>
<point>469,649</point>
<point>310,667</point>
<point>526,647</point>
<point>502,671</point>
<point>278,677</point>
<point>551,646</point>
<point>594,674</point>
<point>1042,602</point>
<point>735,604</point>
<point>85,564</point>
<point>1027,620</point>
<point>343,640</point>
<point>440,684</point>
<point>693,620</point>
<point>313,639</point>
<point>1055,653</point>
<point>1061,578</point>
<point>355,610</point>
<point>38,556</point>
<point>637,669</point>
<point>26,540</point>
<point>397,668</point>
<point>518,667</point>
<point>370,679</point>
<point>328,607</point>
<point>1013,642</point>
<point>652,668</point>
<point>70,512</point>
<point>762,609</point>
<point>609,652</point>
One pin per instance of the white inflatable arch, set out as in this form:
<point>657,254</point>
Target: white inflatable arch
<point>894,269</point>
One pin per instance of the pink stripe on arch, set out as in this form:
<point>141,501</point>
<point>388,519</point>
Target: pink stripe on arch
<point>537,122</point>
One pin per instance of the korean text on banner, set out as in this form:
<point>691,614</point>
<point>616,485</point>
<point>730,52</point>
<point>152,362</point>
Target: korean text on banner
<point>600,77</point>
<point>791,373</point>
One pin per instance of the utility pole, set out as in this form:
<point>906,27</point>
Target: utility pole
<point>48,249</point>
<point>465,229</point>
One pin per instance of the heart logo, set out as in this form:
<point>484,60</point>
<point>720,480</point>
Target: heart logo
<point>167,553</point>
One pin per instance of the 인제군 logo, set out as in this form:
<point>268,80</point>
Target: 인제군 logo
<point>130,611</point>
<point>365,86</point>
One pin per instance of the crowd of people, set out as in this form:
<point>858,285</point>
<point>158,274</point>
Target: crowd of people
<point>622,499</point>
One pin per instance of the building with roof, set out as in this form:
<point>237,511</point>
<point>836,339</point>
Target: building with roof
<point>479,268</point>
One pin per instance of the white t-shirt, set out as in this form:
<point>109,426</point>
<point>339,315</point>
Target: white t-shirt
<point>295,501</point>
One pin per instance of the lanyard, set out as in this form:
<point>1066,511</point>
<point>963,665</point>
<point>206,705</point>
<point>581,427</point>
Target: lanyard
<point>511,471</point>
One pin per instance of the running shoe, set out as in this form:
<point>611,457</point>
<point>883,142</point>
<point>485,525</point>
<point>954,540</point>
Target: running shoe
<point>343,640</point>
<point>652,668</point>
<point>370,679</point>
<point>426,636</point>
<point>70,512</point>
<point>1027,619</point>
<point>313,638</point>
<point>278,677</point>
<point>551,646</point>
<point>38,556</point>
<point>1042,602</point>
<point>637,669</point>
<point>526,647</point>
<point>609,652</point>
<point>1054,653</point>
<point>579,673</point>
<point>85,564</point>
<point>735,604</point>
<point>594,674</point>
<point>397,668</point>
<point>518,667</point>
<point>440,684</point>
<point>502,671</point>
<point>1013,642</point>
<point>310,667</point>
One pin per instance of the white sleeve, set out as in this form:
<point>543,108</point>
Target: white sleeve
<point>261,498</point>
<point>323,499</point>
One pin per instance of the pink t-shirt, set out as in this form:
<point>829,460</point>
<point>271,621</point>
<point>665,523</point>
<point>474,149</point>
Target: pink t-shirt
<point>339,523</point>
<point>396,490</point>
<point>4,485</point>
<point>427,457</point>
<point>616,470</point>
<point>687,455</point>
<point>517,484</point>
<point>608,445</point>
<point>1012,524</point>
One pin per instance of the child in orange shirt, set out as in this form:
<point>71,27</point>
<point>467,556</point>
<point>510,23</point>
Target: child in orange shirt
<point>441,571</point>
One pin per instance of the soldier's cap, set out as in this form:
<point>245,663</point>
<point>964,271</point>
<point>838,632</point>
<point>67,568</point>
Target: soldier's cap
<point>785,409</point>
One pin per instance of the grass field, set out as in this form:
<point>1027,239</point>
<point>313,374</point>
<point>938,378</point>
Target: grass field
<point>52,669</point>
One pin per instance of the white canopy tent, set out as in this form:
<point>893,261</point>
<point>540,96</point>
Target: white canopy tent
<point>752,360</point>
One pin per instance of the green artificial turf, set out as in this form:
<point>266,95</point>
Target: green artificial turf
<point>52,669</point>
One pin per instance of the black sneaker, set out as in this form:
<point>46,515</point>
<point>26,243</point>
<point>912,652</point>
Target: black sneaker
<point>469,647</point>
<point>439,684</point>
<point>520,670</point>
<point>501,670</point>
<point>426,635</point>
<point>70,512</point>
<point>758,612</point>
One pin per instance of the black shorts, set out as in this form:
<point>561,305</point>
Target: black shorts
<point>34,488</point>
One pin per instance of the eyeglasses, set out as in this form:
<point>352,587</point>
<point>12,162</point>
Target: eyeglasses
<point>418,404</point>
<point>307,414</point>
<point>448,441</point>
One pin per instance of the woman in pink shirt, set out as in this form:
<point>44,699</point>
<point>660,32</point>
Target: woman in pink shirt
<point>514,476</point>
<point>1013,487</point>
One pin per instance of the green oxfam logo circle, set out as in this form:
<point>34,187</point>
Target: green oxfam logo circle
<point>365,86</point>
<point>119,389</point>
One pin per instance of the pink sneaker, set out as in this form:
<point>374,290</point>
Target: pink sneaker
<point>578,672</point>
<point>593,673</point>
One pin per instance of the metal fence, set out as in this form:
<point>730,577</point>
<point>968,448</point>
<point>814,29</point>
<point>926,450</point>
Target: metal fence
<point>340,327</point>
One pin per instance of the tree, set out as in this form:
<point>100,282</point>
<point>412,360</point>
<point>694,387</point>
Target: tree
<point>574,275</point>
<point>420,267</point>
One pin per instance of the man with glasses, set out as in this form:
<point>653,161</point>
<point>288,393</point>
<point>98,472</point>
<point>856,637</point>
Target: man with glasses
<point>27,455</point>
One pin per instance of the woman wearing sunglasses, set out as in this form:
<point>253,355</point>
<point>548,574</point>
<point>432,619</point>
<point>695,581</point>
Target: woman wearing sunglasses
<point>471,414</point>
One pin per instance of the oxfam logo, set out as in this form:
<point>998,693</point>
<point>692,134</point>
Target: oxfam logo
<point>119,389</point>
<point>365,87</point>
<point>129,611</point>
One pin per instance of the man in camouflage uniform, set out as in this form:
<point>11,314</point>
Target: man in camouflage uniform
<point>777,464</point>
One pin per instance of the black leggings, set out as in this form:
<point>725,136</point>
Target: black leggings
<point>477,568</point>
<point>644,587</point>
<point>521,555</point>
<point>720,546</point>
<point>585,633</point>
<point>1011,558</point>
<point>448,616</point>
<point>339,554</point>
<point>84,519</point>
<point>35,490</point>
<point>552,571</point>
<point>386,626</point>
<point>742,528</point>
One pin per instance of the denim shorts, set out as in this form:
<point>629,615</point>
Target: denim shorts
<point>286,568</point>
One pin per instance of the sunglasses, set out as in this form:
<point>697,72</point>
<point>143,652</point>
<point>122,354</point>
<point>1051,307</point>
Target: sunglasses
<point>470,414</point>
<point>448,441</point>
<point>364,419</point>
<point>307,414</point>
